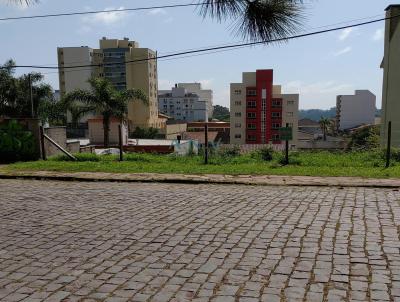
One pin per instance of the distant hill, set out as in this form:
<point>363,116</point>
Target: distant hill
<point>316,114</point>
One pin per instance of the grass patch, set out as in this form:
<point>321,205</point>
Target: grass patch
<point>323,163</point>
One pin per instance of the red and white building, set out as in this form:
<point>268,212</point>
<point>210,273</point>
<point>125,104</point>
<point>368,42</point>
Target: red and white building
<point>259,109</point>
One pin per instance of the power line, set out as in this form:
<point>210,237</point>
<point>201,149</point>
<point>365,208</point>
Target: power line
<point>222,44</point>
<point>210,49</point>
<point>102,11</point>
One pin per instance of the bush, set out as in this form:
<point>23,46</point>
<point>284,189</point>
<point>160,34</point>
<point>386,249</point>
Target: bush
<point>16,144</point>
<point>394,154</point>
<point>366,138</point>
<point>265,153</point>
<point>293,159</point>
<point>231,151</point>
<point>82,157</point>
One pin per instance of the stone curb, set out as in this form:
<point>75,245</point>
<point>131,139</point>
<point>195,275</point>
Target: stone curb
<point>255,180</point>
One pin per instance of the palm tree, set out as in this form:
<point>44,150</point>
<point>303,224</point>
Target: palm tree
<point>104,99</point>
<point>324,123</point>
<point>23,2</point>
<point>257,20</point>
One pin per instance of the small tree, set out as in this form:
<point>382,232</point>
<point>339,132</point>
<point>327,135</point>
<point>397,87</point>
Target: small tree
<point>324,123</point>
<point>104,99</point>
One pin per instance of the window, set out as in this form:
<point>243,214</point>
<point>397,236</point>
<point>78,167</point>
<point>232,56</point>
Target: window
<point>238,114</point>
<point>276,104</point>
<point>251,92</point>
<point>238,103</point>
<point>251,104</point>
<point>290,102</point>
<point>238,125</point>
<point>290,125</point>
<point>275,137</point>
<point>251,126</point>
<point>251,115</point>
<point>238,92</point>
<point>290,114</point>
<point>251,138</point>
<point>238,136</point>
<point>276,114</point>
<point>276,125</point>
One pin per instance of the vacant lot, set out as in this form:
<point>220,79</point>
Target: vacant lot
<point>364,164</point>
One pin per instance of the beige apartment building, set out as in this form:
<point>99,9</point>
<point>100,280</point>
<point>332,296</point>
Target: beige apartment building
<point>125,65</point>
<point>259,109</point>
<point>391,77</point>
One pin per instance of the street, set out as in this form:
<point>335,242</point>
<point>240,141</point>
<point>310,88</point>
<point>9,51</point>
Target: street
<point>87,241</point>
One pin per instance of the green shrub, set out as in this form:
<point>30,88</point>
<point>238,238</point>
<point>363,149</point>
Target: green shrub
<point>16,143</point>
<point>394,154</point>
<point>265,153</point>
<point>81,157</point>
<point>294,159</point>
<point>366,138</point>
<point>230,151</point>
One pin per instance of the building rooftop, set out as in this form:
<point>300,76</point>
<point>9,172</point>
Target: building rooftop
<point>392,6</point>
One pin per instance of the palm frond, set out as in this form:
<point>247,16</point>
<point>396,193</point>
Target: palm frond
<point>136,94</point>
<point>79,95</point>
<point>258,20</point>
<point>270,19</point>
<point>23,2</point>
<point>222,9</point>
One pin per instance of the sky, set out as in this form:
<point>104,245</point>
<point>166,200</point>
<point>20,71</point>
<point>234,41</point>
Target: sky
<point>317,67</point>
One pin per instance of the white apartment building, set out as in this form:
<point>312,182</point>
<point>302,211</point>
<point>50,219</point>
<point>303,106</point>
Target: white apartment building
<point>182,105</point>
<point>206,95</point>
<point>355,110</point>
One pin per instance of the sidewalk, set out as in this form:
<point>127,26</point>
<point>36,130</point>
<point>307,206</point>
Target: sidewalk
<point>264,180</point>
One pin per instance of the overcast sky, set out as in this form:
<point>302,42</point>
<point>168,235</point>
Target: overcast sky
<point>318,67</point>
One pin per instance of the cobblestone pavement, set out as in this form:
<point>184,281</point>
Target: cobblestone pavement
<point>70,241</point>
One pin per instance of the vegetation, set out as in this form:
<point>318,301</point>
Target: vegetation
<point>316,114</point>
<point>16,144</point>
<point>325,125</point>
<point>366,138</point>
<point>105,99</point>
<point>221,113</point>
<point>149,133</point>
<point>363,164</point>
<point>14,95</point>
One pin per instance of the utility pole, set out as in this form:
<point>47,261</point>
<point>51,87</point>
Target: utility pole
<point>31,95</point>
<point>389,143</point>
<point>287,148</point>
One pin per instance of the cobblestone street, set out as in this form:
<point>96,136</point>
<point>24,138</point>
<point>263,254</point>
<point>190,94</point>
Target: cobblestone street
<point>81,241</point>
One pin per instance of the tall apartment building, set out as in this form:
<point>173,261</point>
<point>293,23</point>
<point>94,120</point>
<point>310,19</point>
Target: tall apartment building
<point>259,109</point>
<point>115,57</point>
<point>391,76</point>
<point>355,110</point>
<point>182,105</point>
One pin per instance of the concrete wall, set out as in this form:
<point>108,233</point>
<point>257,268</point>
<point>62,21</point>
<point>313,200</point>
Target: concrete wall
<point>391,76</point>
<point>173,130</point>
<point>96,132</point>
<point>59,135</point>
<point>355,110</point>
<point>321,145</point>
